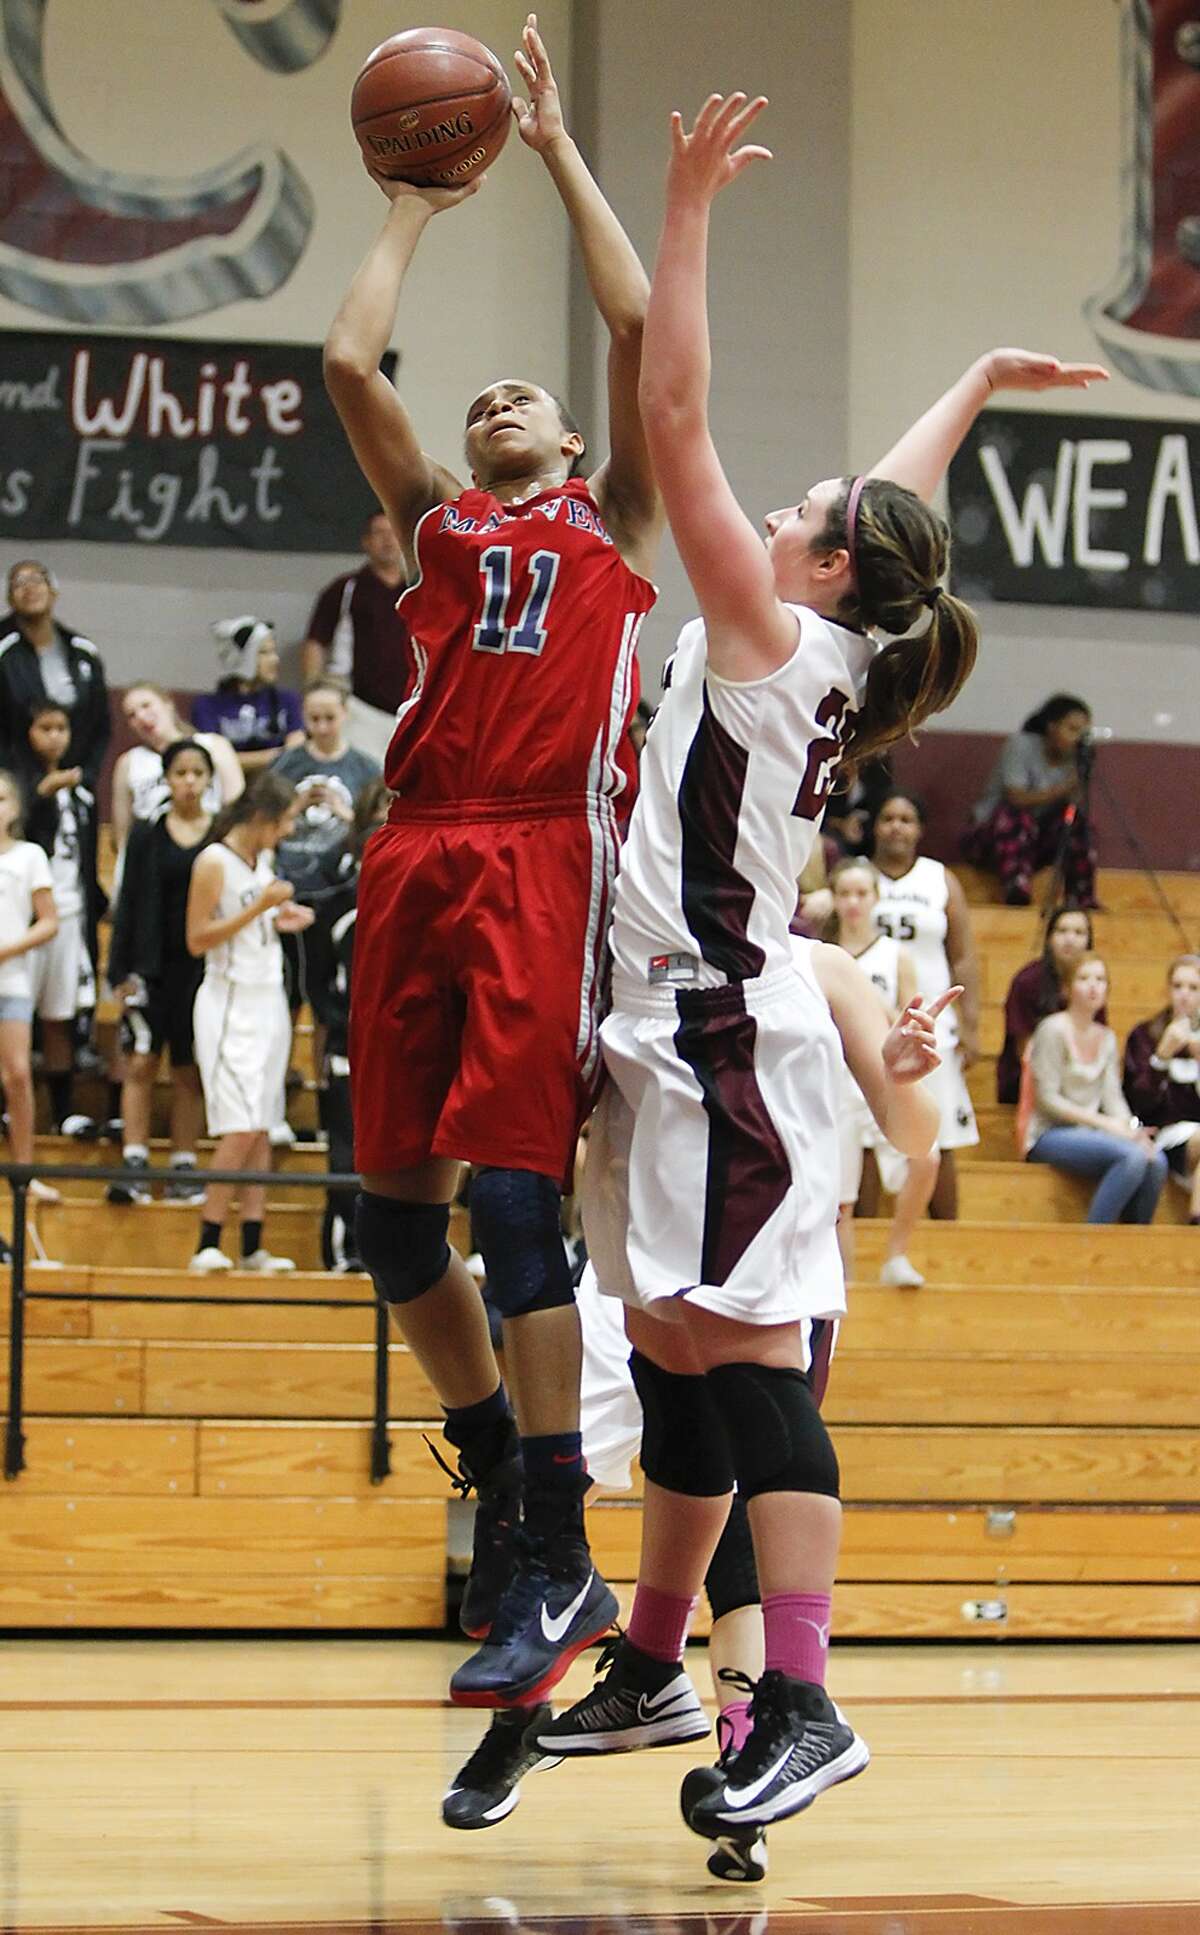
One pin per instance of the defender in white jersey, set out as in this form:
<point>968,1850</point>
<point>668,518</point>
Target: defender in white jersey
<point>236,912</point>
<point>910,1180</point>
<point>715,1215</point>
<point>923,906</point>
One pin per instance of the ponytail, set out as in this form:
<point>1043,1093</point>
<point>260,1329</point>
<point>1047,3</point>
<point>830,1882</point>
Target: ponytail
<point>899,553</point>
<point>266,798</point>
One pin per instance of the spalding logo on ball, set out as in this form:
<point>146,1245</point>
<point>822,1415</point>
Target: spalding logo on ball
<point>431,107</point>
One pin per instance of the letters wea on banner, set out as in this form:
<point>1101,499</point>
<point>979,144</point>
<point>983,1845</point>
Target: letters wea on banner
<point>1077,510</point>
<point>117,439</point>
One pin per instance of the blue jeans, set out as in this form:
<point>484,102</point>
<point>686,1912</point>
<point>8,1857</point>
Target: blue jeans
<point>1131,1176</point>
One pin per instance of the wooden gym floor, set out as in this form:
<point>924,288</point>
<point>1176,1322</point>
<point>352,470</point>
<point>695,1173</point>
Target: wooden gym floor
<point>1014,1790</point>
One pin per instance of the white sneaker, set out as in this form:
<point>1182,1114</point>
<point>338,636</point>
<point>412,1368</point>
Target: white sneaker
<point>43,1192</point>
<point>899,1274</point>
<point>266,1264</point>
<point>282,1136</point>
<point>209,1262</point>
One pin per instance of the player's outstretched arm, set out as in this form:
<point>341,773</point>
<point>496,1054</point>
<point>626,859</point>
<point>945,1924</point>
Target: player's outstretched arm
<point>922,457</point>
<point>624,486</point>
<point>749,631</point>
<point>404,479</point>
<point>888,1063</point>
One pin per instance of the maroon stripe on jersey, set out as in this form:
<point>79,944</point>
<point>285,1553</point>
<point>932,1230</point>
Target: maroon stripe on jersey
<point>747,1173</point>
<point>820,1354</point>
<point>716,898</point>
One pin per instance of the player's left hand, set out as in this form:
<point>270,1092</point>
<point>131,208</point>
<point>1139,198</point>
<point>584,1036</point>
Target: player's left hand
<point>708,159</point>
<point>1029,369</point>
<point>910,1048</point>
<point>292,918</point>
<point>539,119</point>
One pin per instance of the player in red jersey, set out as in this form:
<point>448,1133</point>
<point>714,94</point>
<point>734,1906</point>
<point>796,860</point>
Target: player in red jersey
<point>483,901</point>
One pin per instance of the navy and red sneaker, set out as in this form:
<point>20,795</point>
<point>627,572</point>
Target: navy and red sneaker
<point>555,1605</point>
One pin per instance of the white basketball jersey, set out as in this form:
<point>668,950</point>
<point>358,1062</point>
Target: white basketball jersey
<point>254,957</point>
<point>881,964</point>
<point>733,785</point>
<point>912,910</point>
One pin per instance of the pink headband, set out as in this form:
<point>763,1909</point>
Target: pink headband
<point>856,491</point>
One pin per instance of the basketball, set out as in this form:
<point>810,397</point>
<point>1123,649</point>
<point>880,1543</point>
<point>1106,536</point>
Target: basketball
<point>431,107</point>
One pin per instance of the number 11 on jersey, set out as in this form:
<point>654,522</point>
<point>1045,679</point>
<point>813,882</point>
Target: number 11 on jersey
<point>494,632</point>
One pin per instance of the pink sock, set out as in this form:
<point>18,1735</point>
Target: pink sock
<point>658,1623</point>
<point>733,1726</point>
<point>796,1626</point>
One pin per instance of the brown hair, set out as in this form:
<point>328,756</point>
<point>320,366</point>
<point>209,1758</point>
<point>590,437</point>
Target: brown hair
<point>266,798</point>
<point>366,814</point>
<point>1166,1014</point>
<point>1089,960</point>
<point>899,552</point>
<point>853,863</point>
<point>327,682</point>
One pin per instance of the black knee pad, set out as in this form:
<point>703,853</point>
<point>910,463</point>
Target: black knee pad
<point>776,1433</point>
<point>684,1448</point>
<point>517,1219</point>
<point>403,1245</point>
<point>732,1578</point>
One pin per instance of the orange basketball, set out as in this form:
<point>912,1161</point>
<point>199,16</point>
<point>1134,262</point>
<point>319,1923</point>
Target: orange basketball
<point>431,106</point>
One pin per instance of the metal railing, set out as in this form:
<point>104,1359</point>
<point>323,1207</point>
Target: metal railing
<point>19,1175</point>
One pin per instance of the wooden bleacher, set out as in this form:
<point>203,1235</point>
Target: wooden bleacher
<point>1020,1441</point>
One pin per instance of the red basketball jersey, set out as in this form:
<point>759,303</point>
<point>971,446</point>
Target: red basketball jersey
<point>524,622</point>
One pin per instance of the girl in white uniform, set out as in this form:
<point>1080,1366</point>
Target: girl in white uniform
<point>28,922</point>
<point>236,912</point>
<point>710,1199</point>
<point>923,906</point>
<point>910,1179</point>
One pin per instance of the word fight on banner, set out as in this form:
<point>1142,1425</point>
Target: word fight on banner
<point>1077,510</point>
<point>115,438</point>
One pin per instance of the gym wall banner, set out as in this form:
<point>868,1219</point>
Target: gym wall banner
<point>1053,509</point>
<point>118,438</point>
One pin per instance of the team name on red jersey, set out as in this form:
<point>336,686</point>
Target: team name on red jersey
<point>580,516</point>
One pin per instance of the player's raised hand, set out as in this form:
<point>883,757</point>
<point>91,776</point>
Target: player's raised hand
<point>910,1049</point>
<point>1029,369</point>
<point>434,198</point>
<point>539,119</point>
<point>708,158</point>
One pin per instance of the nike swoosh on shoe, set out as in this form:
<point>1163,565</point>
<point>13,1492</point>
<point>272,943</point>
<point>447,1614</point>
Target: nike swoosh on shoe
<point>555,1626</point>
<point>656,1708</point>
<point>742,1796</point>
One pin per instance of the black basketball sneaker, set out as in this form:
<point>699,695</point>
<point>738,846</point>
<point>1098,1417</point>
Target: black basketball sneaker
<point>487,1787</point>
<point>640,1702</point>
<point>497,1517</point>
<point>735,1857</point>
<point>799,1744</point>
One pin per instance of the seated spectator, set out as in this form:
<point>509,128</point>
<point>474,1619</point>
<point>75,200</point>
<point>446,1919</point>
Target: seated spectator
<point>39,660</point>
<point>854,887</point>
<point>1078,1119</point>
<point>28,922</point>
<point>330,954</point>
<point>328,775</point>
<point>1162,1076</point>
<point>154,976</point>
<point>249,708</point>
<point>60,815</point>
<point>854,802</point>
<point>1038,989</point>
<point>139,788</point>
<point>356,634</point>
<point>1029,815</point>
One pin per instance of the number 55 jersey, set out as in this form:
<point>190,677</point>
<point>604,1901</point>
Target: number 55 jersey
<point>484,901</point>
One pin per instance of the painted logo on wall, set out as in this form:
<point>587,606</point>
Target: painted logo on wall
<point>92,245</point>
<point>1148,321</point>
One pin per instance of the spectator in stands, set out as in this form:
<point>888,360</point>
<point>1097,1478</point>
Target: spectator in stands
<point>154,976</point>
<point>27,922</point>
<point>60,815</point>
<point>330,950</point>
<point>853,804</point>
<point>328,774</point>
<point>237,909</point>
<point>854,886</point>
<point>139,790</point>
<point>1029,814</point>
<point>39,660</point>
<point>1162,1075</point>
<point>356,634</point>
<point>1077,1118</point>
<point>249,707</point>
<point>922,905</point>
<point>1038,989</point>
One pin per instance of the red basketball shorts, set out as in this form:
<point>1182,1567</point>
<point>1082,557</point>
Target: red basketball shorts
<point>475,1002</point>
